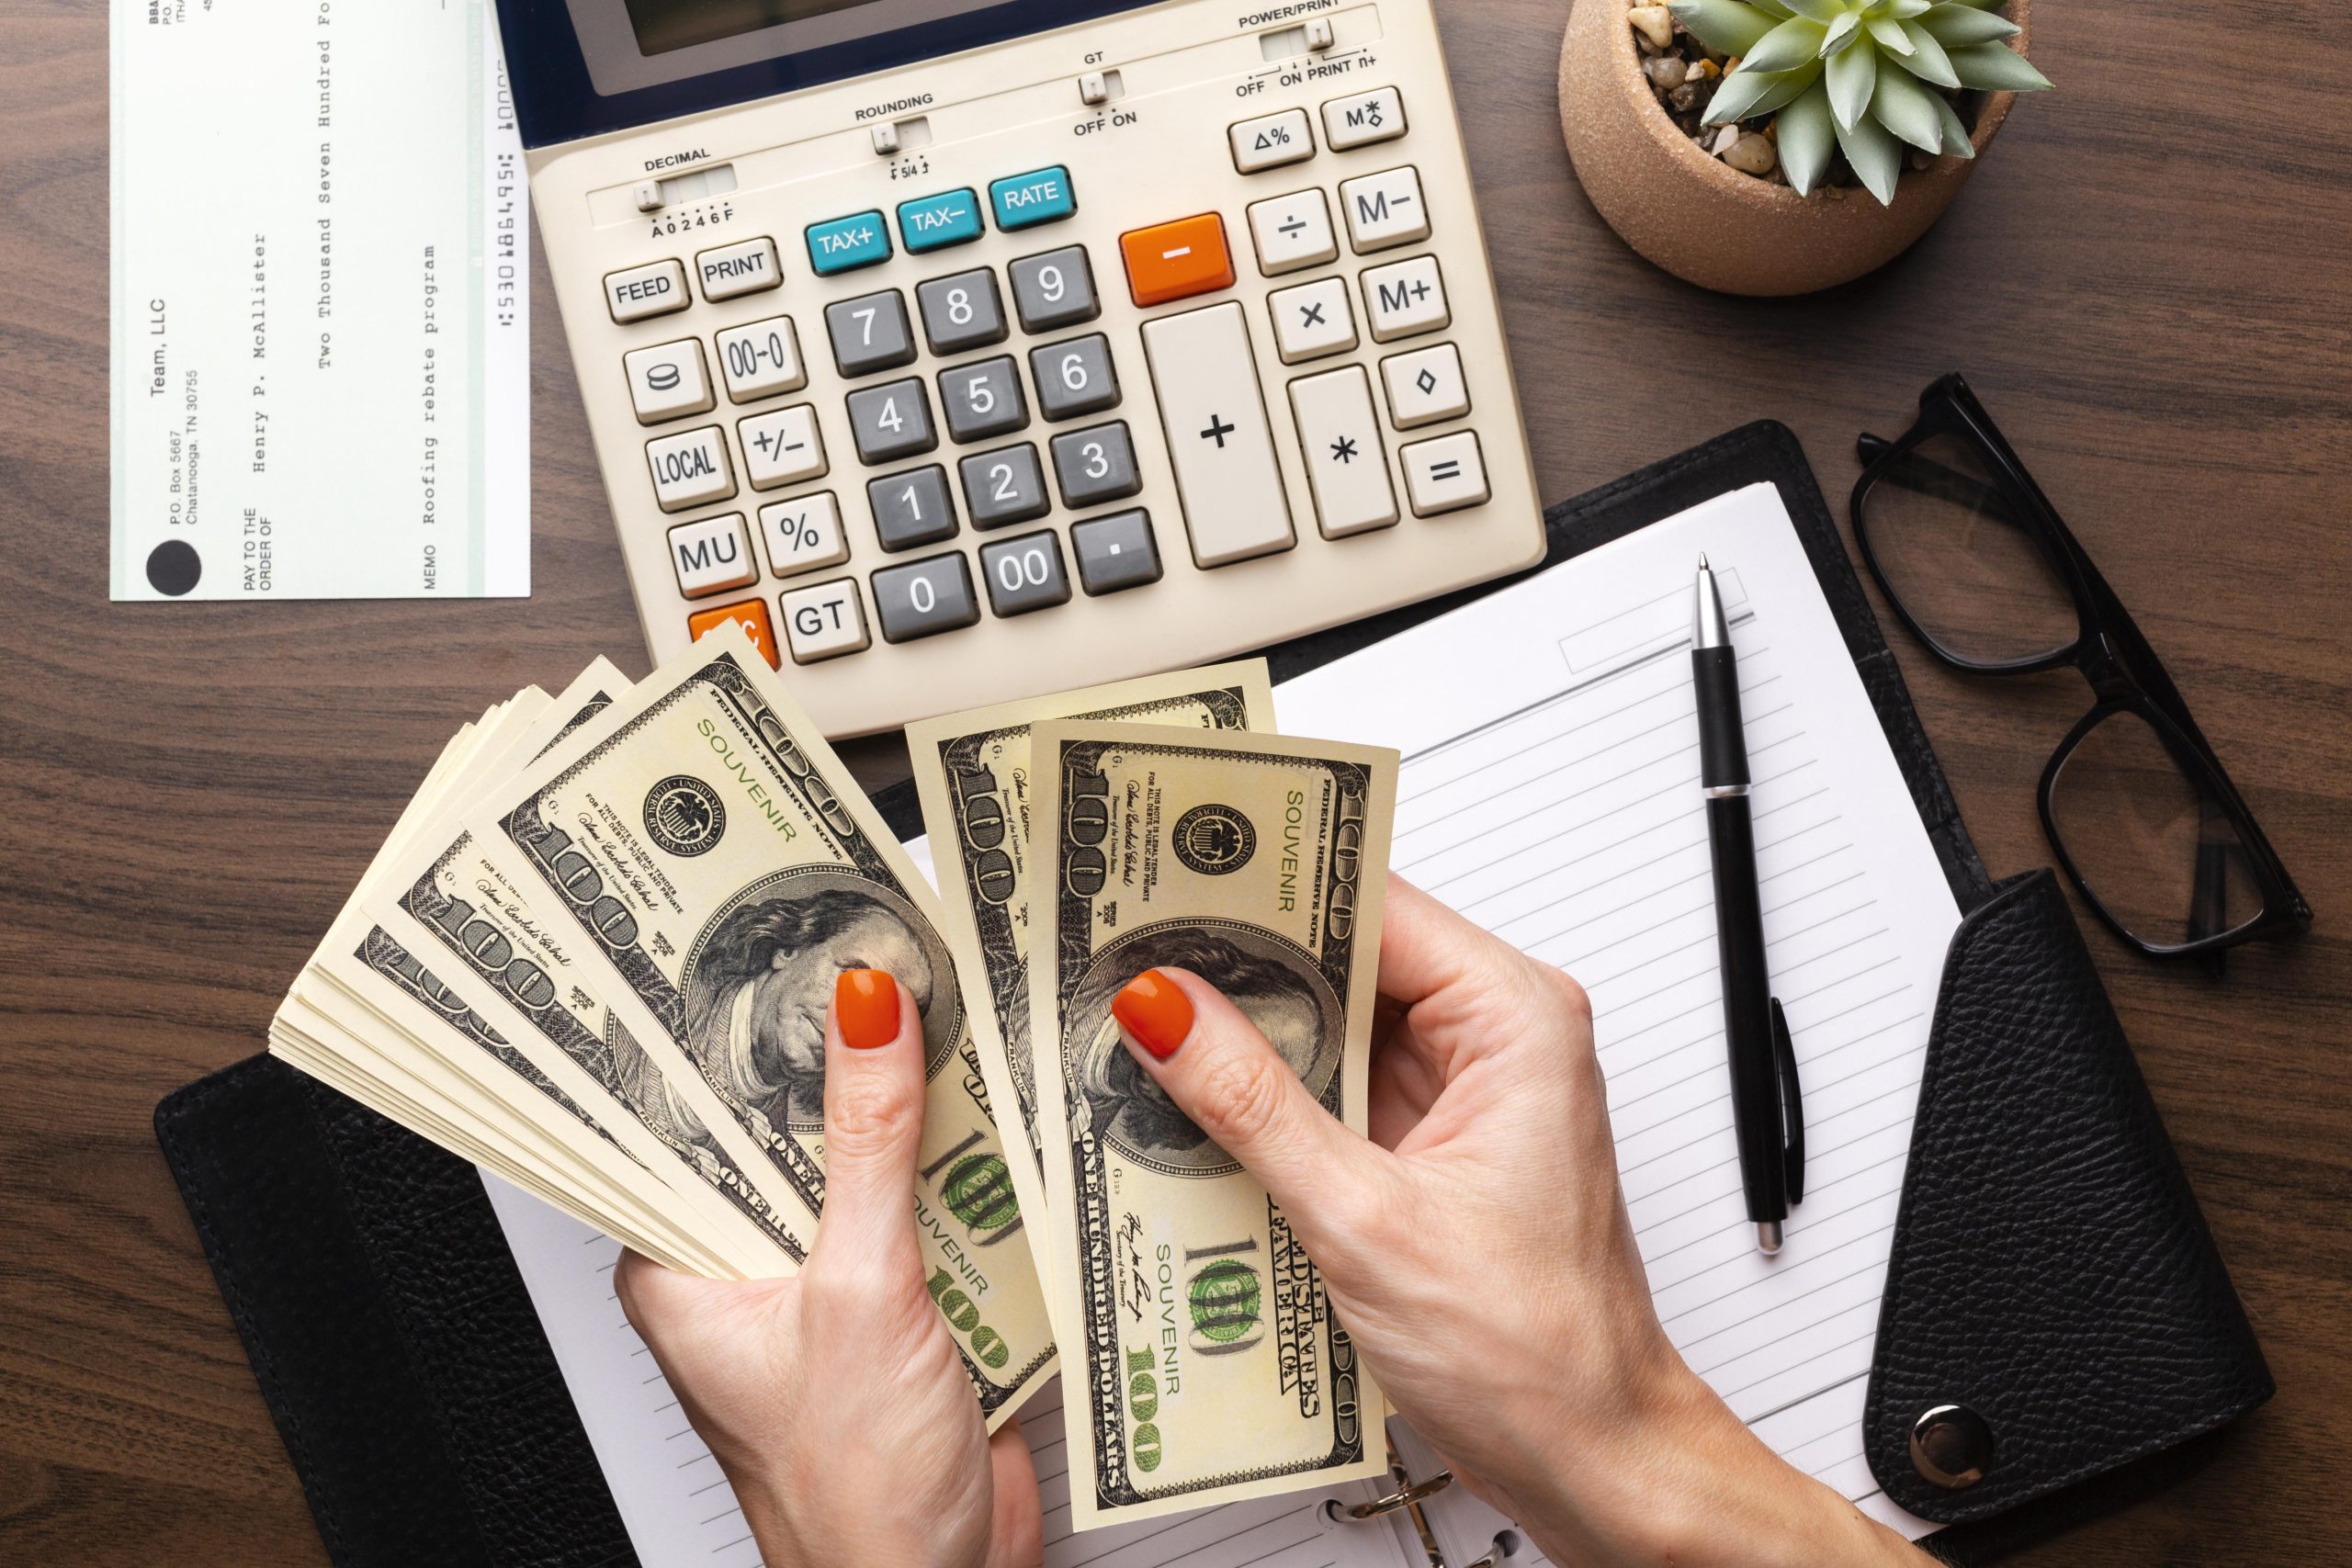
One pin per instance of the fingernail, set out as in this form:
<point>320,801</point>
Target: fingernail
<point>1155,1012</point>
<point>865,1006</point>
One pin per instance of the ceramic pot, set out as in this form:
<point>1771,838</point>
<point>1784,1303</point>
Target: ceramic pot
<point>1703,220</point>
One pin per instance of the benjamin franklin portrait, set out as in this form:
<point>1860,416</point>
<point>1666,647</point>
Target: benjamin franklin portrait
<point>1272,983</point>
<point>759,984</point>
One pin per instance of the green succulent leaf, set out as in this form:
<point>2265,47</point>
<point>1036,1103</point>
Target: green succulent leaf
<point>1852,76</point>
<point>1841,34</point>
<point>1955,143</point>
<point>1785,47</point>
<point>1927,60</point>
<point>1745,93</point>
<point>1807,136</point>
<point>1776,9</point>
<point>1724,25</point>
<point>1876,156</point>
<point>1822,11</point>
<point>1904,10</point>
<point>1888,34</point>
<point>1996,67</point>
<point>1906,108</point>
<point>1955,25</point>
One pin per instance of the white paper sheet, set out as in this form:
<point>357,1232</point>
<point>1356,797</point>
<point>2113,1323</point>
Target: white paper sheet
<point>1550,792</point>
<point>320,323</point>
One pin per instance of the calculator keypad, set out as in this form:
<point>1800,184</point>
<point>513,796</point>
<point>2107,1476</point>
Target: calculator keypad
<point>762,360</point>
<point>1003,486</point>
<point>870,334</point>
<point>669,382</point>
<point>891,421</point>
<point>982,400</point>
<point>1054,289</point>
<point>783,447</point>
<point>961,310</point>
<point>1096,465</point>
<point>803,534</point>
<point>924,598</point>
<point>1211,380</point>
<point>1074,376</point>
<point>912,508</point>
<point>1024,574</point>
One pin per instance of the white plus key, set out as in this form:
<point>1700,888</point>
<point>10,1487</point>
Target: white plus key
<point>1385,209</point>
<point>1340,434</point>
<point>1405,297</point>
<point>1292,231</point>
<point>1218,440</point>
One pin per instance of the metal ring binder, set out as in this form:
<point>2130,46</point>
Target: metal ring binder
<point>1404,1497</point>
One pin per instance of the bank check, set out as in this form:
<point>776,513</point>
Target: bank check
<point>321,357</point>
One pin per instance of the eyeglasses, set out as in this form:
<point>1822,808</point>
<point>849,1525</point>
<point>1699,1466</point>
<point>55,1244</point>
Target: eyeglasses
<point>2137,808</point>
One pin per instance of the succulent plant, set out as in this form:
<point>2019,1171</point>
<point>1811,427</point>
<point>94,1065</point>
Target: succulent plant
<point>1859,75</point>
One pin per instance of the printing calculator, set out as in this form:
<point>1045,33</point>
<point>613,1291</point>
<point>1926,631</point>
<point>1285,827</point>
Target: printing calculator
<point>962,351</point>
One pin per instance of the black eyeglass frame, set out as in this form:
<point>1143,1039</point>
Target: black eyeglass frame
<point>2109,647</point>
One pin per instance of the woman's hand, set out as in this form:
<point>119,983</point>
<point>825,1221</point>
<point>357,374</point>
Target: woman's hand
<point>1479,1252</point>
<point>835,1401</point>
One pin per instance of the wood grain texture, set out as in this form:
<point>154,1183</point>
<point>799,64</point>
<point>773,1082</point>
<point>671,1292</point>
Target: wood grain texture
<point>2147,283</point>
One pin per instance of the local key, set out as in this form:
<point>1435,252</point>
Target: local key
<point>1338,433</point>
<point>1218,441</point>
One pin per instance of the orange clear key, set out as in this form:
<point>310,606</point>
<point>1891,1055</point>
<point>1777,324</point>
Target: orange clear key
<point>1171,261</point>
<point>751,615</point>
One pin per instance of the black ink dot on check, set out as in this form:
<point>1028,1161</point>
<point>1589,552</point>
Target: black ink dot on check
<point>173,567</point>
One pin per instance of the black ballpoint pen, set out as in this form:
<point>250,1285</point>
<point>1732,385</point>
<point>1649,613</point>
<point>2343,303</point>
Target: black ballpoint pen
<point>1768,1116</point>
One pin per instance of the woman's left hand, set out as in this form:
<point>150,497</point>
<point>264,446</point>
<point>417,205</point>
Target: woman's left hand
<point>835,1401</point>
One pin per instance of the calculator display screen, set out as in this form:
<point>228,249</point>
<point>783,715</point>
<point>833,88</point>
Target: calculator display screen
<point>664,25</point>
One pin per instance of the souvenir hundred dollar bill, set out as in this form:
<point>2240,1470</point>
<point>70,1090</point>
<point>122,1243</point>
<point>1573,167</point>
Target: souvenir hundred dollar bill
<point>702,849</point>
<point>1199,1331</point>
<point>972,774</point>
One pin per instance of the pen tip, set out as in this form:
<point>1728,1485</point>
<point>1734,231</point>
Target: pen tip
<point>1702,560</point>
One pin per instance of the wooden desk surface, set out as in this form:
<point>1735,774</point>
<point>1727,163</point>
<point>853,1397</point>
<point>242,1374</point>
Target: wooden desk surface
<point>2147,283</point>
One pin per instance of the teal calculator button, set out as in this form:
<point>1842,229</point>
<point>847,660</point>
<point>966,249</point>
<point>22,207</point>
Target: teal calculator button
<point>933,222</point>
<point>860,240</point>
<point>1042,196</point>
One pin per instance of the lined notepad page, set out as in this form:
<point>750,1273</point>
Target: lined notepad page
<point>1551,792</point>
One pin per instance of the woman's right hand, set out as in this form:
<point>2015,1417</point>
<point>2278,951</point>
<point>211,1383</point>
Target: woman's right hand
<point>1479,1252</point>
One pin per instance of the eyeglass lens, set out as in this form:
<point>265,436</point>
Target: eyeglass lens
<point>2150,841</point>
<point>1963,562</point>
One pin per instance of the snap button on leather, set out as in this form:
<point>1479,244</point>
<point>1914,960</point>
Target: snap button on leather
<point>1951,1446</point>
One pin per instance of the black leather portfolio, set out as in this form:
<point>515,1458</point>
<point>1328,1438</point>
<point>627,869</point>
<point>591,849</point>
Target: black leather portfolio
<point>2058,1332</point>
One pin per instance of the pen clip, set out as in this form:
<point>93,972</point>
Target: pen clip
<point>1784,1056</point>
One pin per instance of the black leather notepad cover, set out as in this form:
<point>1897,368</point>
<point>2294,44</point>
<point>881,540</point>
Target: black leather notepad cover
<point>393,1340</point>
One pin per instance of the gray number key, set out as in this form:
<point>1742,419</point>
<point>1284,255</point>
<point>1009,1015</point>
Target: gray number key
<point>1115,552</point>
<point>1024,574</point>
<point>891,421</point>
<point>1074,376</point>
<point>870,333</point>
<point>1096,464</point>
<point>962,310</point>
<point>912,508</point>
<point>983,399</point>
<point>1003,486</point>
<point>1056,289</point>
<point>924,597</point>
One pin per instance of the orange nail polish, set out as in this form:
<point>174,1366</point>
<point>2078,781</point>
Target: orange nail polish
<point>1155,1012</point>
<point>865,1006</point>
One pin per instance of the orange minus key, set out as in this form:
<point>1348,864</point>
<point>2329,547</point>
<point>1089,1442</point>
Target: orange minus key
<point>1169,260</point>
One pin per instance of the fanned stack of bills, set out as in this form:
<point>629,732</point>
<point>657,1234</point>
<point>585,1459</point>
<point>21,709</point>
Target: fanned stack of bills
<point>596,953</point>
